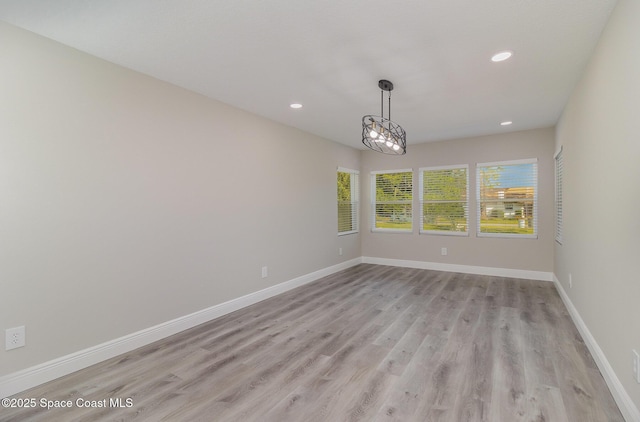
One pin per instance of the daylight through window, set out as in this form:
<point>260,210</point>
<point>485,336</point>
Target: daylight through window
<point>443,200</point>
<point>507,198</point>
<point>348,201</point>
<point>392,193</point>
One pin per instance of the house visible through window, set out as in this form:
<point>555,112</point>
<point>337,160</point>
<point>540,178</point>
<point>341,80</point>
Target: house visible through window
<point>507,198</point>
<point>348,201</point>
<point>443,200</point>
<point>392,200</point>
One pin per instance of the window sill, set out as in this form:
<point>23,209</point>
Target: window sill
<point>509,235</point>
<point>397,231</point>
<point>445,233</point>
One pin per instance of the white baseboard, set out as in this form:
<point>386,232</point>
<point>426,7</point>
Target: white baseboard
<point>627,407</point>
<point>28,378</point>
<point>466,269</point>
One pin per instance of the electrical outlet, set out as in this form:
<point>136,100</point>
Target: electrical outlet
<point>265,272</point>
<point>340,251</point>
<point>570,281</point>
<point>14,337</point>
<point>443,251</point>
<point>636,366</point>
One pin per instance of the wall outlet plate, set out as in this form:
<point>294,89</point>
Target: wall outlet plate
<point>14,337</point>
<point>636,366</point>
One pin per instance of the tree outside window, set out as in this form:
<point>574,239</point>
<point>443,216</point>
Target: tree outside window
<point>393,200</point>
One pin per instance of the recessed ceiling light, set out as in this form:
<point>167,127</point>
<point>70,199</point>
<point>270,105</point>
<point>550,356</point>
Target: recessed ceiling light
<point>295,105</point>
<point>501,56</point>
<point>507,123</point>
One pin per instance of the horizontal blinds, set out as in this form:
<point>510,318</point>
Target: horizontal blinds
<point>443,199</point>
<point>559,176</point>
<point>393,200</point>
<point>507,196</point>
<point>348,201</point>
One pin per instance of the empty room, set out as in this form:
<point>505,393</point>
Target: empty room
<point>320,211</point>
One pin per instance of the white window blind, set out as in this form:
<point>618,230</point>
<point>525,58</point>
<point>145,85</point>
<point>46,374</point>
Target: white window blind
<point>392,194</point>
<point>507,195</point>
<point>559,175</point>
<point>444,193</point>
<point>348,201</point>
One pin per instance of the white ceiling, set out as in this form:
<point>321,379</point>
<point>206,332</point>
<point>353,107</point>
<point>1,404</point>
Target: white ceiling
<point>329,55</point>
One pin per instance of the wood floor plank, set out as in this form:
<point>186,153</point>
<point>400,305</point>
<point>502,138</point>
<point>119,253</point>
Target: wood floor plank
<point>508,391</point>
<point>545,403</point>
<point>402,402</point>
<point>575,384</point>
<point>403,351</point>
<point>475,398</point>
<point>368,343</point>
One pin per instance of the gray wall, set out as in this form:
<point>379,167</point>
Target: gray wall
<point>521,254</point>
<point>126,202</point>
<point>599,133</point>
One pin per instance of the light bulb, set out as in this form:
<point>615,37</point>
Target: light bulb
<point>373,134</point>
<point>396,147</point>
<point>389,143</point>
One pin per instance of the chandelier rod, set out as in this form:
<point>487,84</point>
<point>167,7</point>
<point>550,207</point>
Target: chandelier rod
<point>389,111</point>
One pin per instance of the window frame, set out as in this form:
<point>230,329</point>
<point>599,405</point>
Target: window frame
<point>354,186</point>
<point>422,202</point>
<point>479,199</point>
<point>559,179</point>
<point>374,202</point>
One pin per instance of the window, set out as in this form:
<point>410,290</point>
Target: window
<point>559,196</point>
<point>392,194</point>
<point>507,198</point>
<point>443,200</point>
<point>348,201</point>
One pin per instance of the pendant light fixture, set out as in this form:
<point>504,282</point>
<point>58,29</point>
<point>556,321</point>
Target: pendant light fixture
<point>382,134</point>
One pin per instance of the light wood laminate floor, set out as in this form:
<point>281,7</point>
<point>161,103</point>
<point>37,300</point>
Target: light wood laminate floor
<point>371,343</point>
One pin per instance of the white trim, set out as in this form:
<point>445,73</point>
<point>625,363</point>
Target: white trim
<point>374,202</point>
<point>421,200</point>
<point>346,170</point>
<point>511,235</point>
<point>559,181</point>
<point>30,377</point>
<point>555,155</point>
<point>479,232</point>
<point>457,268</point>
<point>445,233</point>
<point>349,232</point>
<point>451,167</point>
<point>397,231</point>
<point>354,180</point>
<point>508,162</point>
<point>620,395</point>
<point>22,380</point>
<point>392,171</point>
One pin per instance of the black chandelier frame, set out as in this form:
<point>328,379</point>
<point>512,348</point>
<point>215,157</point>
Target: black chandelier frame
<point>380,133</point>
